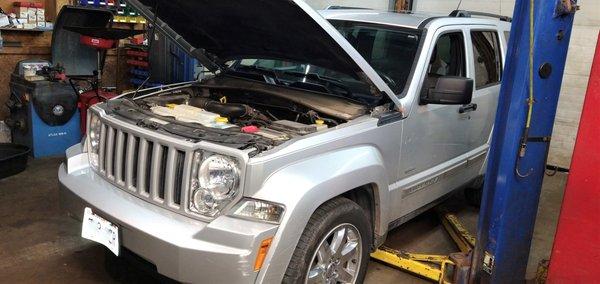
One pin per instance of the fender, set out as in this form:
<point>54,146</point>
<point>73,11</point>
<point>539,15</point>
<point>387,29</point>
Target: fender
<point>323,178</point>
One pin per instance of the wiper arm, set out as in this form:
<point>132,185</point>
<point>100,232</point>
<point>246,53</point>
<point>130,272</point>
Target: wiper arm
<point>255,70</point>
<point>313,76</point>
<point>323,79</point>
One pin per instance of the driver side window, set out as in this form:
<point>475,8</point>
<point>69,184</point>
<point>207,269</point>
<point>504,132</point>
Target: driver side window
<point>447,59</point>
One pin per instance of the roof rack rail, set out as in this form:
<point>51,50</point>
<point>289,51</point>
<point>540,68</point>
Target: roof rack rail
<point>468,14</point>
<point>337,7</point>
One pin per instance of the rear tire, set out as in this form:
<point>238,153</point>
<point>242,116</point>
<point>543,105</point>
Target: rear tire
<point>474,193</point>
<point>339,223</point>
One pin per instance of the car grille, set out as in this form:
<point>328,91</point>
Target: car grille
<point>145,167</point>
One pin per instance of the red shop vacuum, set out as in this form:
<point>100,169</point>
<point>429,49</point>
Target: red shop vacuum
<point>89,88</point>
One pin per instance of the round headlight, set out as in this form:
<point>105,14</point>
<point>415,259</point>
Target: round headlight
<point>93,140</point>
<point>94,133</point>
<point>219,176</point>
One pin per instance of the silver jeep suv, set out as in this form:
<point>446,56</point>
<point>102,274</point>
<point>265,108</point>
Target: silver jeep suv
<point>309,136</point>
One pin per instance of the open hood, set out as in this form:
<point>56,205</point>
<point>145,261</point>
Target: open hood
<point>215,31</point>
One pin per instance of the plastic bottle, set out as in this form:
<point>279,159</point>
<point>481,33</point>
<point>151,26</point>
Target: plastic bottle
<point>204,117</point>
<point>320,124</point>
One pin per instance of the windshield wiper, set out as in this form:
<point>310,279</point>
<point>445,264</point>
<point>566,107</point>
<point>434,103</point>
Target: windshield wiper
<point>323,79</point>
<point>272,76</point>
<point>313,76</point>
<point>269,75</point>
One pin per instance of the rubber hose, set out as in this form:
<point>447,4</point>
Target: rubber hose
<point>226,110</point>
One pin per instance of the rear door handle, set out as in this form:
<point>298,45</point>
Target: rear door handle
<point>467,108</point>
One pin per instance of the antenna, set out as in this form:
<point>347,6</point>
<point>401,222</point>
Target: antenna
<point>460,3</point>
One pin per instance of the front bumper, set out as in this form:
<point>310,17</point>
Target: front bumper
<point>180,247</point>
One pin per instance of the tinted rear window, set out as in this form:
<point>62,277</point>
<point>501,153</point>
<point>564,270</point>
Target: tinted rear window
<point>488,61</point>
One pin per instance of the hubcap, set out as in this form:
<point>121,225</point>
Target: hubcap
<point>338,257</point>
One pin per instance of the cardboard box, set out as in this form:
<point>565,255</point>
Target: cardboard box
<point>41,24</point>
<point>29,26</point>
<point>32,14</point>
<point>21,12</point>
<point>40,12</point>
<point>41,18</point>
<point>28,4</point>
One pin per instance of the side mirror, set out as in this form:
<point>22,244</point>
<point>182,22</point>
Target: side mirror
<point>450,90</point>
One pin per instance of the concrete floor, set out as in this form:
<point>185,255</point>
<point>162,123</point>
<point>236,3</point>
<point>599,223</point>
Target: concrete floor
<point>40,243</point>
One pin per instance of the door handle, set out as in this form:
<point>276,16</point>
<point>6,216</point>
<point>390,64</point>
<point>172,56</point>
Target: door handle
<point>467,108</point>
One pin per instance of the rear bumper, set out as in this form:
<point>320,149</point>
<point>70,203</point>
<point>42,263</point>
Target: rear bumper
<point>180,247</point>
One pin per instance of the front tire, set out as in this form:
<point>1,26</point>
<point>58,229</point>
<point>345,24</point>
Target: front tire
<point>334,247</point>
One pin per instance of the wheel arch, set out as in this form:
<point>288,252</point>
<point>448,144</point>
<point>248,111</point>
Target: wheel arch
<point>357,172</point>
<point>368,198</point>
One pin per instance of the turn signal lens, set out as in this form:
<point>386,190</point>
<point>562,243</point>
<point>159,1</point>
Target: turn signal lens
<point>262,253</point>
<point>258,210</point>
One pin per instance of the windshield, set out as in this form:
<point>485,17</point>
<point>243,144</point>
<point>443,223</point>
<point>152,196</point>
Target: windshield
<point>305,76</point>
<point>391,52</point>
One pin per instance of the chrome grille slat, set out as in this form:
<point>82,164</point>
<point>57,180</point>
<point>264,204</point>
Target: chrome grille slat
<point>188,160</point>
<point>169,173</point>
<point>102,149</point>
<point>143,160</point>
<point>110,153</point>
<point>130,162</point>
<point>119,153</point>
<point>155,172</point>
<point>149,169</point>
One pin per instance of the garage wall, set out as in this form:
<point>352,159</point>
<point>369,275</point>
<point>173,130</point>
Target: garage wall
<point>374,4</point>
<point>581,53</point>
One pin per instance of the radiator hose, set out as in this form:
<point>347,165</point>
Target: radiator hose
<point>230,110</point>
<point>227,110</point>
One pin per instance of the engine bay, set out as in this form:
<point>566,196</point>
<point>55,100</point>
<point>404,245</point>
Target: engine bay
<point>243,117</point>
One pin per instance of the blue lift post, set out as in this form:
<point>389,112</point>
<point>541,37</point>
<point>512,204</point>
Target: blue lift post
<point>517,158</point>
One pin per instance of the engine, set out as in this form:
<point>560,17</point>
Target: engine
<point>273,119</point>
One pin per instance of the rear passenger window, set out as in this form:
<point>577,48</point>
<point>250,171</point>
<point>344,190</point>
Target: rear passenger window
<point>488,61</point>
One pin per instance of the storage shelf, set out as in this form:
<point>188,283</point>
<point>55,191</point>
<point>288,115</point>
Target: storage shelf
<point>26,30</point>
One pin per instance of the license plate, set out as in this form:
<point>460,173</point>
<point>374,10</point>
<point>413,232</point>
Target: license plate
<point>97,229</point>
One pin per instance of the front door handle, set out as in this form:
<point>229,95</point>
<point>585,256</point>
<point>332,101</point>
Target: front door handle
<point>467,108</point>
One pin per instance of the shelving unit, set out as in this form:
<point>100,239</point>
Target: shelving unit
<point>26,30</point>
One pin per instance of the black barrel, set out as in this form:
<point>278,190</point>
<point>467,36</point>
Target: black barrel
<point>13,159</point>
